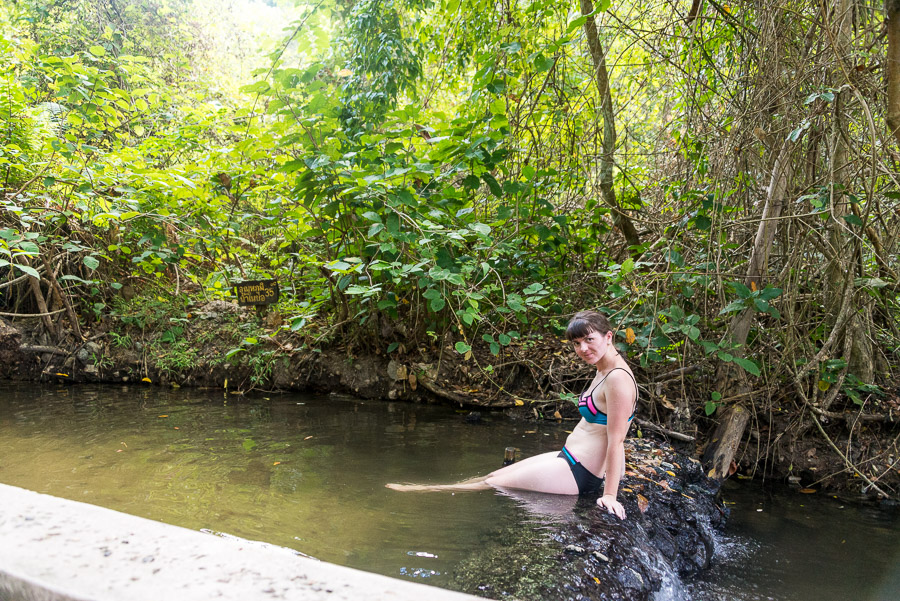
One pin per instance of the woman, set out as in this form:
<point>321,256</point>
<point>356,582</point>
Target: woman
<point>596,447</point>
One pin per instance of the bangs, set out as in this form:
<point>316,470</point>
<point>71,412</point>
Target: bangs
<point>579,328</point>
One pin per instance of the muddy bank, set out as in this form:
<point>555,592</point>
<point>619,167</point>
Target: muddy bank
<point>228,346</point>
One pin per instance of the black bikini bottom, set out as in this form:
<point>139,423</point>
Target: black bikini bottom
<point>588,483</point>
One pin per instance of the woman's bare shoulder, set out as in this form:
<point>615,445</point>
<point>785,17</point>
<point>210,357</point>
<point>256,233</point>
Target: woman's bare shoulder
<point>621,382</point>
<point>622,373</point>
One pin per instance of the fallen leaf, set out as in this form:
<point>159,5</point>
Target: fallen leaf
<point>557,415</point>
<point>597,580</point>
<point>807,491</point>
<point>163,416</point>
<point>413,381</point>
<point>177,428</point>
<point>671,473</point>
<point>519,402</point>
<point>277,463</point>
<point>307,438</point>
<point>148,380</point>
<point>63,375</point>
<point>643,503</point>
<point>629,335</point>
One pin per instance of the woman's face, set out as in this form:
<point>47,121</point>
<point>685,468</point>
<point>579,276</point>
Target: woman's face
<point>592,347</point>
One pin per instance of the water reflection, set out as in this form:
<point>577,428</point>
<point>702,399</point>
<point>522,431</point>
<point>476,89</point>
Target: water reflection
<point>556,508</point>
<point>788,547</point>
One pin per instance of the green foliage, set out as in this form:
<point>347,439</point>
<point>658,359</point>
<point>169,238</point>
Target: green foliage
<point>713,403</point>
<point>174,358</point>
<point>121,340</point>
<point>414,172</point>
<point>757,300</point>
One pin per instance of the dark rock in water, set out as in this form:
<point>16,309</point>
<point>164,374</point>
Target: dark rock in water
<point>577,551</point>
<point>473,417</point>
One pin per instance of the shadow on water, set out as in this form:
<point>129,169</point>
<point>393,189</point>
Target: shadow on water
<point>308,472</point>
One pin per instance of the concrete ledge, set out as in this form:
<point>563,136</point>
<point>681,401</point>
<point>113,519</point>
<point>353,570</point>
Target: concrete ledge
<point>53,549</point>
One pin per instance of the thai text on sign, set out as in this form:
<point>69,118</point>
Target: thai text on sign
<point>258,292</point>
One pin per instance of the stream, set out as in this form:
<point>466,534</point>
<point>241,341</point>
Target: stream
<point>308,472</point>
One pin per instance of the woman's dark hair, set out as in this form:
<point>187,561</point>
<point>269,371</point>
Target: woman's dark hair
<point>587,322</point>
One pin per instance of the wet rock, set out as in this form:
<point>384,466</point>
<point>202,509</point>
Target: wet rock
<point>586,553</point>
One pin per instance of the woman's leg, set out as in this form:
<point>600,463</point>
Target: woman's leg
<point>542,473</point>
<point>547,473</point>
<point>471,484</point>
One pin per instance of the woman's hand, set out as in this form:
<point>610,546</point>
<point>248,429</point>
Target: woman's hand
<point>611,505</point>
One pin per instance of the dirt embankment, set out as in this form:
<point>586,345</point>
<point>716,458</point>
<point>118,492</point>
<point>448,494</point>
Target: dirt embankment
<point>222,345</point>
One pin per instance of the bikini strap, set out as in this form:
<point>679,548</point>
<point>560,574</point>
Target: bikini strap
<point>636,389</point>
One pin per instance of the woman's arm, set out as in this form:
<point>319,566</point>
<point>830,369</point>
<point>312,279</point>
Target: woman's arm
<point>619,406</point>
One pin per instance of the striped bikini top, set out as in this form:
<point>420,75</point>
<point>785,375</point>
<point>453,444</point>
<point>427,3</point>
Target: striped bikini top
<point>589,410</point>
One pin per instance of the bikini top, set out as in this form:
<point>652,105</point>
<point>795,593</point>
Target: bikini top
<point>589,410</point>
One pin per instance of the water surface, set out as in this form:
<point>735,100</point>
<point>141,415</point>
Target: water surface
<point>786,546</point>
<point>308,472</point>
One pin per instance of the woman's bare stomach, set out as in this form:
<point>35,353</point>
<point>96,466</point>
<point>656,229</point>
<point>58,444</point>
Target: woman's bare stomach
<point>588,443</point>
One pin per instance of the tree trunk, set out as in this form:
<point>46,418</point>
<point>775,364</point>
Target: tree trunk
<point>731,380</point>
<point>608,142</point>
<point>720,451</point>
<point>70,310</point>
<point>892,66</point>
<point>42,306</point>
<point>842,267</point>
